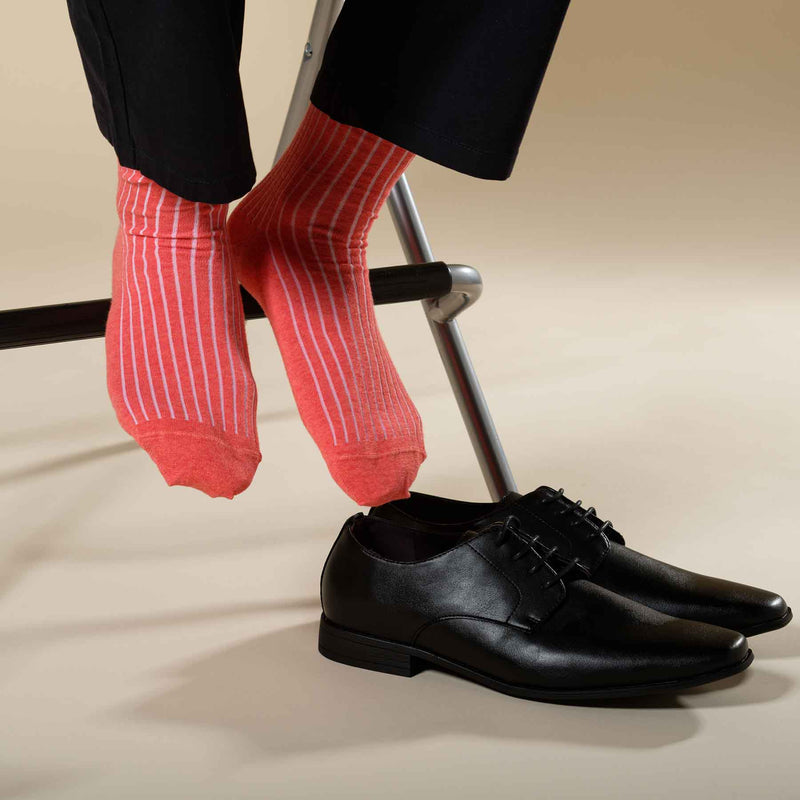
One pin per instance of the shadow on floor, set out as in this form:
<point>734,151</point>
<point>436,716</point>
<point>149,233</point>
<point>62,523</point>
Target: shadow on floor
<point>282,698</point>
<point>86,456</point>
<point>783,643</point>
<point>75,428</point>
<point>19,783</point>
<point>65,462</point>
<point>48,634</point>
<point>67,514</point>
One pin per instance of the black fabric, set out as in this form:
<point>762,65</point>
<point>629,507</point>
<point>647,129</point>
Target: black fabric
<point>164,80</point>
<point>452,81</point>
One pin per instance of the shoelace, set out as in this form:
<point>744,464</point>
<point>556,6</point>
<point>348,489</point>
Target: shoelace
<point>511,525</point>
<point>574,506</point>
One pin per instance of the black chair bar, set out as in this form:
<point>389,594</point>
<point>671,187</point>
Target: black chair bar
<point>66,322</point>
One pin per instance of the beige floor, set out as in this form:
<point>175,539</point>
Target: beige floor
<point>638,344</point>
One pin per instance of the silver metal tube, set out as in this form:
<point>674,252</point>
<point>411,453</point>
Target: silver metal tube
<point>325,14</point>
<point>453,352</point>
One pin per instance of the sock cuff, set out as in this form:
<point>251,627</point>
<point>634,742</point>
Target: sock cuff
<point>141,202</point>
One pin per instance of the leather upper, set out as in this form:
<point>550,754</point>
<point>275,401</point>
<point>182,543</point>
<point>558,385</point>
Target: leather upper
<point>603,555</point>
<point>366,592</point>
<point>477,602</point>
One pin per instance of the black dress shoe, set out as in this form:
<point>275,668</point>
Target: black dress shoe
<point>488,605</point>
<point>602,556</point>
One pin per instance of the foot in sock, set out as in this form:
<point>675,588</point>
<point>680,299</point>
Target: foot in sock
<point>178,368</point>
<point>299,243</point>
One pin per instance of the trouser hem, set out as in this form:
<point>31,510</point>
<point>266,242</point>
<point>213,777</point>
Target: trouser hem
<point>397,127</point>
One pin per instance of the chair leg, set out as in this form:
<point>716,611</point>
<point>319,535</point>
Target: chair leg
<point>450,343</point>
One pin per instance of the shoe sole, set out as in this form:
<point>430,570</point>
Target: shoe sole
<point>771,625</point>
<point>370,652</point>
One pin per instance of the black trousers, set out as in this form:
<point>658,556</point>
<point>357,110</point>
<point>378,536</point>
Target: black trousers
<point>453,81</point>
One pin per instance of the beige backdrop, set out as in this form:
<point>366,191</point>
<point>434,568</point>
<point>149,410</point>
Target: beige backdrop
<point>638,345</point>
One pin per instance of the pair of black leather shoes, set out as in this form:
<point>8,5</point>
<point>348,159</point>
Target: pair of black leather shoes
<point>533,596</point>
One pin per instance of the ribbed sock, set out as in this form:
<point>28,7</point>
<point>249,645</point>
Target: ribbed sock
<point>299,240</point>
<point>178,368</point>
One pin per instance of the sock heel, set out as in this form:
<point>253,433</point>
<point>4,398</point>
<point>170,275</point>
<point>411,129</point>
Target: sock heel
<point>367,652</point>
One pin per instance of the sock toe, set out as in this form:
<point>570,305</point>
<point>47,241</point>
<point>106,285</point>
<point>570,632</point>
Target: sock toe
<point>379,479</point>
<point>202,462</point>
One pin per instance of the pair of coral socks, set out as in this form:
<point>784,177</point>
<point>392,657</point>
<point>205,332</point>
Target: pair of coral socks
<point>178,371</point>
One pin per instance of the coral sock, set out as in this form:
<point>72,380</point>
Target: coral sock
<point>299,240</point>
<point>178,368</point>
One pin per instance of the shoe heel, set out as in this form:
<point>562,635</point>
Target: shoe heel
<point>367,652</point>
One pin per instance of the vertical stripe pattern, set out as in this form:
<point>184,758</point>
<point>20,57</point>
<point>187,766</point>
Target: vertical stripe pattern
<point>299,241</point>
<point>178,358</point>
